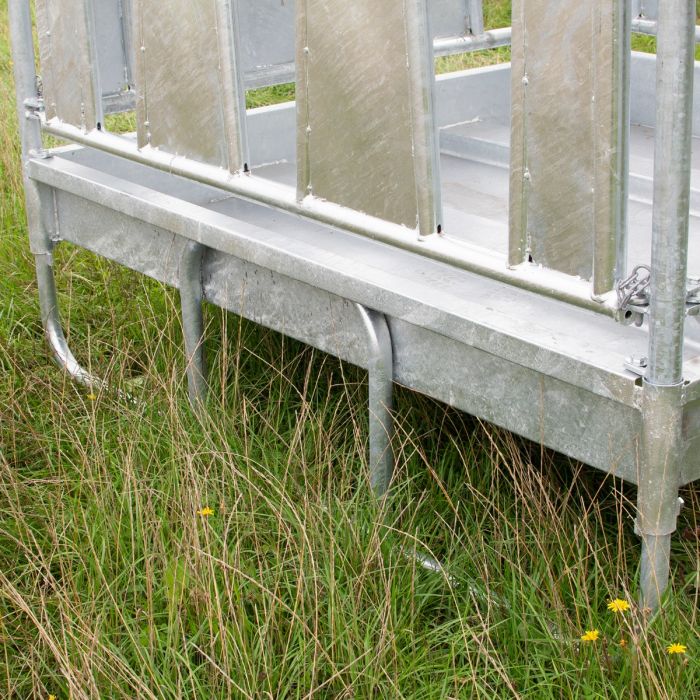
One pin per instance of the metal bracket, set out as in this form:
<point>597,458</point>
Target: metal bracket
<point>633,296</point>
<point>637,365</point>
<point>692,299</point>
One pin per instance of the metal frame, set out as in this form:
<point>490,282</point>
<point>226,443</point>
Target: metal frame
<point>503,335</point>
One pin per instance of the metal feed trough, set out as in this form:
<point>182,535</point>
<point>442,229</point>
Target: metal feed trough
<point>512,240</point>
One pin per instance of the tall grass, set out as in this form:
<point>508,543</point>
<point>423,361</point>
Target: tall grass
<point>113,585</point>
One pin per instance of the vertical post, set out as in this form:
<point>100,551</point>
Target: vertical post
<point>662,405</point>
<point>24,74</point>
<point>38,201</point>
<point>476,17</point>
<point>381,369</point>
<point>193,322</point>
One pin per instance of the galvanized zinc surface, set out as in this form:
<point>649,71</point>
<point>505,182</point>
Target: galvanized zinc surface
<point>364,109</point>
<point>112,43</point>
<point>189,99</point>
<point>268,34</point>
<point>567,178</point>
<point>68,67</point>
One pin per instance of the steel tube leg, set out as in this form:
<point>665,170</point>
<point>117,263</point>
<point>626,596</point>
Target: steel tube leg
<point>380,366</point>
<point>193,322</point>
<point>659,480</point>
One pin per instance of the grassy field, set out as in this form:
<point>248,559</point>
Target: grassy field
<point>113,584</point>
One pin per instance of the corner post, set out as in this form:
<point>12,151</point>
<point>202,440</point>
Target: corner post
<point>662,411</point>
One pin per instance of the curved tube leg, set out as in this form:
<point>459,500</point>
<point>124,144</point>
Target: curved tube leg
<point>193,322</point>
<point>381,370</point>
<point>51,321</point>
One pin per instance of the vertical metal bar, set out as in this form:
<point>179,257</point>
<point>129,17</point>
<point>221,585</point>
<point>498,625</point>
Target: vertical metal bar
<point>669,256</point>
<point>192,322</point>
<point>476,17</point>
<point>381,369</point>
<point>623,62</point>
<point>20,20</point>
<point>662,436</point>
<point>427,143</point>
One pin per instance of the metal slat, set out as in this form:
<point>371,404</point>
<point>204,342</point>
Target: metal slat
<point>190,101</point>
<point>649,8</point>
<point>68,64</point>
<point>268,42</point>
<point>365,130</point>
<point>569,137</point>
<point>111,39</point>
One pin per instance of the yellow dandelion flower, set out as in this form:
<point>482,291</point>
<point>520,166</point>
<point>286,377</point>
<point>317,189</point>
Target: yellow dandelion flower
<point>52,697</point>
<point>618,605</point>
<point>622,643</point>
<point>676,648</point>
<point>590,636</point>
<point>92,397</point>
<point>206,512</point>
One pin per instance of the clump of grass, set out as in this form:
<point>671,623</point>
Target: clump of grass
<point>147,553</point>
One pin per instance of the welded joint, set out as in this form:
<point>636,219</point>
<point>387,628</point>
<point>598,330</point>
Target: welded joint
<point>380,365</point>
<point>191,297</point>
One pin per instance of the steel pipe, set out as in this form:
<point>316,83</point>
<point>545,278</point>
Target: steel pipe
<point>650,28</point>
<point>672,156</point>
<point>490,39</point>
<point>380,365</point>
<point>24,72</point>
<point>53,330</point>
<point>191,296</point>
<point>38,203</point>
<point>662,411</point>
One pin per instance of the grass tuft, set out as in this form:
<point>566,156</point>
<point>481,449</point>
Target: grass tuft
<point>115,582</point>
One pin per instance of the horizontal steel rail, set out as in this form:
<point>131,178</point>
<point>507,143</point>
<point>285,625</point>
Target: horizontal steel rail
<point>649,27</point>
<point>440,247</point>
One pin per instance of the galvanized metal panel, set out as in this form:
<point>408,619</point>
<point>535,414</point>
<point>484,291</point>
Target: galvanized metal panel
<point>649,8</point>
<point>568,143</point>
<point>189,96</point>
<point>566,417</point>
<point>268,40</point>
<point>455,17</point>
<point>365,130</point>
<point>68,65</point>
<point>111,38</point>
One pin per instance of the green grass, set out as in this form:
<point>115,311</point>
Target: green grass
<point>112,585</point>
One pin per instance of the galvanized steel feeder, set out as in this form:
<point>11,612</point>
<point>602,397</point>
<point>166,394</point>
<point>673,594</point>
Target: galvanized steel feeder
<point>512,240</point>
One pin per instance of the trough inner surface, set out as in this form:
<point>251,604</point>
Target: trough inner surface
<point>475,179</point>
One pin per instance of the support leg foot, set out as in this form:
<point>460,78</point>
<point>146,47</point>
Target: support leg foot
<point>656,555</point>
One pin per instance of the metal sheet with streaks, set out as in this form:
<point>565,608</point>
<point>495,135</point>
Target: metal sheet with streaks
<point>68,65</point>
<point>190,101</point>
<point>568,172</point>
<point>268,39</point>
<point>112,38</point>
<point>366,137</point>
